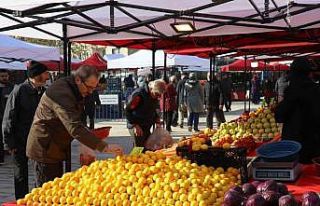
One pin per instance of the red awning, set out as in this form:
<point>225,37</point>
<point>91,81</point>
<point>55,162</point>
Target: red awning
<point>58,65</point>
<point>95,60</point>
<point>239,65</point>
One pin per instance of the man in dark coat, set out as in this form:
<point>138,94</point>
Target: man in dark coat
<point>57,122</point>
<point>17,119</point>
<point>141,110</point>
<point>90,103</point>
<point>299,110</point>
<point>213,101</point>
<point>180,98</point>
<point>226,87</point>
<point>5,90</point>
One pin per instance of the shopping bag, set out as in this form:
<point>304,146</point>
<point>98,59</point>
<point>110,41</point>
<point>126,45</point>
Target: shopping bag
<point>159,139</point>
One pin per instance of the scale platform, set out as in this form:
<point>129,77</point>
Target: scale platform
<point>280,171</point>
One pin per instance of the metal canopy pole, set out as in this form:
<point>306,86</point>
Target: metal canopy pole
<point>66,47</point>
<point>164,96</point>
<point>245,84</point>
<point>153,59</point>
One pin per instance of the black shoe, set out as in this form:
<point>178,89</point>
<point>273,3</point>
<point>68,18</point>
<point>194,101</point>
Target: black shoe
<point>174,125</point>
<point>196,130</point>
<point>190,129</point>
<point>181,126</point>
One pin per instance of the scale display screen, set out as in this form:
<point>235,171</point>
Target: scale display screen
<point>272,174</point>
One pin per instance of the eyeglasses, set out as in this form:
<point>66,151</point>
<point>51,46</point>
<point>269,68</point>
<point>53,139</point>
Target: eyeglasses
<point>90,88</point>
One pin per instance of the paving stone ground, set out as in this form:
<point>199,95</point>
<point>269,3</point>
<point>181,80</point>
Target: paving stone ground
<point>118,134</point>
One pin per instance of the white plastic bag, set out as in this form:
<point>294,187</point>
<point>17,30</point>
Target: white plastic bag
<point>159,139</point>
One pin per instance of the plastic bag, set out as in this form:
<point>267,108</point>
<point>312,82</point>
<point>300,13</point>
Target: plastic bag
<point>159,139</point>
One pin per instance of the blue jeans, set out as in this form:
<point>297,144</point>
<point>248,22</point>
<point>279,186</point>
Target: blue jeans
<point>193,119</point>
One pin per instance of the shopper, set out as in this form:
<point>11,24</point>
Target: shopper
<point>90,103</point>
<point>5,90</point>
<point>57,122</point>
<point>299,110</point>
<point>168,103</point>
<point>182,108</point>
<point>17,119</point>
<point>281,85</point>
<point>194,101</point>
<point>213,101</point>
<point>268,90</point>
<point>255,89</point>
<point>141,110</point>
<point>227,87</point>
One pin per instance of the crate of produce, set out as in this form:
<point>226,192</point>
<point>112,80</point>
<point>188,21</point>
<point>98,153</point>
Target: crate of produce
<point>218,157</point>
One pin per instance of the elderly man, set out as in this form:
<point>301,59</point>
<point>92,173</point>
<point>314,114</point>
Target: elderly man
<point>17,119</point>
<point>5,89</point>
<point>141,110</point>
<point>57,122</point>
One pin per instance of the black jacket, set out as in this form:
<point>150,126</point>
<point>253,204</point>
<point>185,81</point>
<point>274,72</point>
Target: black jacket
<point>4,94</point>
<point>180,91</point>
<point>299,112</point>
<point>145,112</point>
<point>90,103</point>
<point>216,97</point>
<point>226,86</point>
<point>18,115</point>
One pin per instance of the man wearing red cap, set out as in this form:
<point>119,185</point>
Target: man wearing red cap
<point>17,119</point>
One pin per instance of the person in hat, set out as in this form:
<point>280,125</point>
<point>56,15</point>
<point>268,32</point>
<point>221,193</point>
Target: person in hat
<point>17,119</point>
<point>299,110</point>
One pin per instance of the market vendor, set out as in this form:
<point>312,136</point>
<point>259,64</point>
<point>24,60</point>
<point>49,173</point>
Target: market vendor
<point>57,122</point>
<point>141,110</point>
<point>299,111</point>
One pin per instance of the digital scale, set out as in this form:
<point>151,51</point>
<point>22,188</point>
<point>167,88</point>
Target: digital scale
<point>280,171</point>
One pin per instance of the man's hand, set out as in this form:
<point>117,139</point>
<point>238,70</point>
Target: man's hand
<point>221,107</point>
<point>12,151</point>
<point>114,149</point>
<point>158,125</point>
<point>138,131</point>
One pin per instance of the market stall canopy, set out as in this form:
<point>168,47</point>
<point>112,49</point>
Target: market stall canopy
<point>245,65</point>
<point>96,61</point>
<point>89,20</point>
<point>143,58</point>
<point>59,65</point>
<point>15,49</point>
<point>279,67</point>
<point>13,65</point>
<point>109,57</point>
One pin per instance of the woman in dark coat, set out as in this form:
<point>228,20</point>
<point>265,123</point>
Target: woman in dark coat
<point>299,111</point>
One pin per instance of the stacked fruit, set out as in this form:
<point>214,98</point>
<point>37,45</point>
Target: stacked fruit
<point>248,129</point>
<point>199,141</point>
<point>142,179</point>
<point>262,124</point>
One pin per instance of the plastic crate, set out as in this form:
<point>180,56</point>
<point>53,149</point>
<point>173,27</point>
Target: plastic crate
<point>218,157</point>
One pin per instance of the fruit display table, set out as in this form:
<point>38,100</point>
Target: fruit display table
<point>308,181</point>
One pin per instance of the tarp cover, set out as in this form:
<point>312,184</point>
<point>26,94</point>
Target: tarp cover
<point>143,58</point>
<point>12,48</point>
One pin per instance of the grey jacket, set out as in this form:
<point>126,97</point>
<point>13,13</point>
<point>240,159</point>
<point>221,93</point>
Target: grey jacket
<point>194,96</point>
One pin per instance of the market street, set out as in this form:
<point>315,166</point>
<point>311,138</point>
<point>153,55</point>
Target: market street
<point>118,134</point>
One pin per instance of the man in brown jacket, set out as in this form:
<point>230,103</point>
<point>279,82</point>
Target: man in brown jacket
<point>57,122</point>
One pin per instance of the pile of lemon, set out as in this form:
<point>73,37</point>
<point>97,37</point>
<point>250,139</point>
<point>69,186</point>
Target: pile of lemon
<point>144,179</point>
